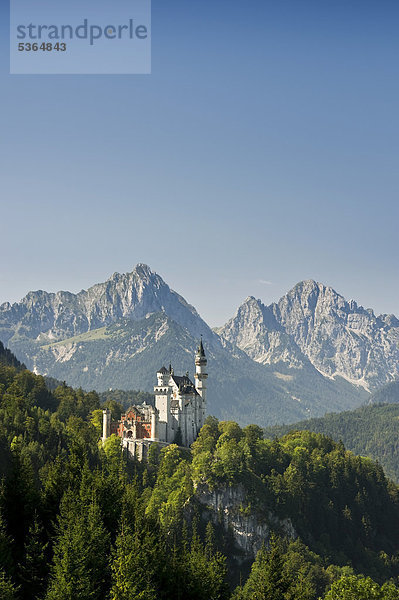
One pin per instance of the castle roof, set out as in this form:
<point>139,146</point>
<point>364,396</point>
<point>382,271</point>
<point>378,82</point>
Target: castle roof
<point>133,408</point>
<point>200,349</point>
<point>184,384</point>
<point>139,409</point>
<point>163,370</point>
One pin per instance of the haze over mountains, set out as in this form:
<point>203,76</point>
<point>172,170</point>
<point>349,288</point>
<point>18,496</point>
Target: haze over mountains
<point>310,353</point>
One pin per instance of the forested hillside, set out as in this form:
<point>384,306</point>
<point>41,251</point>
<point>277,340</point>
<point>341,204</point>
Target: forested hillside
<point>371,431</point>
<point>7,358</point>
<point>127,398</point>
<point>80,522</point>
<point>388,393</point>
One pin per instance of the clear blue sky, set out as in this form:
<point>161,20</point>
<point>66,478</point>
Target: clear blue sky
<point>262,150</point>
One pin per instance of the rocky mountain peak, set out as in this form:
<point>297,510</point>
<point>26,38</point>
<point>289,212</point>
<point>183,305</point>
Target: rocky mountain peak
<point>309,300</point>
<point>131,295</point>
<point>142,269</point>
<point>309,293</point>
<point>253,312</point>
<point>255,330</point>
<point>250,308</point>
<point>339,338</point>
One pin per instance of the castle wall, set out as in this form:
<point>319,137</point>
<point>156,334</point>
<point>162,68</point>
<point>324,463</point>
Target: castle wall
<point>162,431</point>
<point>139,448</point>
<point>162,404</point>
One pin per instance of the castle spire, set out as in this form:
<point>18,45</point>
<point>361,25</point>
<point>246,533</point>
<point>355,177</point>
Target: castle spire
<point>200,349</point>
<point>200,370</point>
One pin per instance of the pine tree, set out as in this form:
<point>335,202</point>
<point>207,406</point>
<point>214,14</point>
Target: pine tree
<point>79,569</point>
<point>133,565</point>
<point>267,580</point>
<point>216,567</point>
<point>6,544</point>
<point>205,568</point>
<point>33,570</point>
<point>8,591</point>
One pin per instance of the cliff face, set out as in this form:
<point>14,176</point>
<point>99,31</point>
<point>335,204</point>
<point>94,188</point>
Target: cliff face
<point>255,330</point>
<point>249,530</point>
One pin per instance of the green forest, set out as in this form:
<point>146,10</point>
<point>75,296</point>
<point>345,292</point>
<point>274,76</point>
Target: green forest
<point>127,398</point>
<point>79,521</point>
<point>371,430</point>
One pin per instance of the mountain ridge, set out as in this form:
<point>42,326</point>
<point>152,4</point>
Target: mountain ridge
<point>268,363</point>
<point>131,295</point>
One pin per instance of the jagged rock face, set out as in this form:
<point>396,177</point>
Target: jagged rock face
<point>131,295</point>
<point>250,531</point>
<point>255,330</point>
<point>312,322</point>
<point>340,337</point>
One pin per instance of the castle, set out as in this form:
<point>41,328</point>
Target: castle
<point>178,414</point>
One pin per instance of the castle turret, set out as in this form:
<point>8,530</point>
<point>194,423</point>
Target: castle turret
<point>106,423</point>
<point>162,404</point>
<point>163,376</point>
<point>154,424</point>
<point>200,373</point>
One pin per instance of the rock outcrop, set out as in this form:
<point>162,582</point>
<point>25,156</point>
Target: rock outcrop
<point>227,506</point>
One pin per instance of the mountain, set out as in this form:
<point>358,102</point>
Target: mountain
<point>371,430</point>
<point>388,394</point>
<point>132,295</point>
<point>128,353</point>
<point>118,333</point>
<point>255,330</point>
<point>312,323</point>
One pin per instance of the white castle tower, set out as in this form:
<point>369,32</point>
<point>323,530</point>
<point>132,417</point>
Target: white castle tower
<point>201,376</point>
<point>163,396</point>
